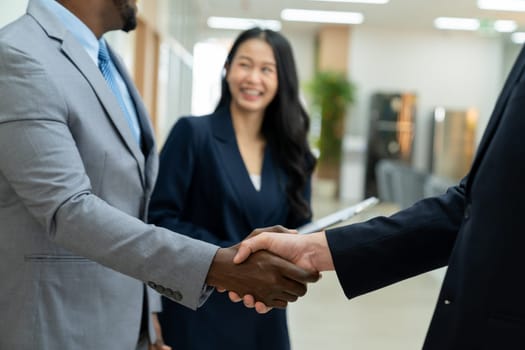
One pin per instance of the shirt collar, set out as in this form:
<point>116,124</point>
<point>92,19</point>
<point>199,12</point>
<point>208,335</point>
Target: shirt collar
<point>75,26</point>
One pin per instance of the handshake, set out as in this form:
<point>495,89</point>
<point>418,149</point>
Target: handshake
<point>271,267</point>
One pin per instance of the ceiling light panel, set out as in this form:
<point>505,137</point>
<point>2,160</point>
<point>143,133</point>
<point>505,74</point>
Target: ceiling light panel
<point>322,16</point>
<point>242,23</point>
<point>505,26</point>
<point>456,23</point>
<point>518,37</point>
<point>358,1</point>
<point>502,5</point>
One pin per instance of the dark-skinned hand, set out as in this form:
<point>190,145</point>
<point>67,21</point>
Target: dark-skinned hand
<point>267,277</point>
<point>275,228</point>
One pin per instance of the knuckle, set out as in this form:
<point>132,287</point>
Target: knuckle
<point>302,292</point>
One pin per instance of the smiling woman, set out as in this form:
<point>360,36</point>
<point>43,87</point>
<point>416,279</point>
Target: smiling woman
<point>252,79</point>
<point>246,165</point>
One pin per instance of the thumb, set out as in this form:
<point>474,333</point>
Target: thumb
<point>249,246</point>
<point>243,252</point>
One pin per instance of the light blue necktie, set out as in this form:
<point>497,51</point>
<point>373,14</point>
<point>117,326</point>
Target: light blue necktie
<point>104,61</point>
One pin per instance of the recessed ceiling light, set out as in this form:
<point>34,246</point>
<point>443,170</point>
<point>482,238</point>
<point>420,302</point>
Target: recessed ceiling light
<point>505,26</point>
<point>358,1</point>
<point>242,23</point>
<point>322,16</point>
<point>456,23</point>
<point>518,37</point>
<point>502,5</point>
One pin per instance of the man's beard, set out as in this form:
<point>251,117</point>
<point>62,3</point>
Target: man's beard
<point>128,15</point>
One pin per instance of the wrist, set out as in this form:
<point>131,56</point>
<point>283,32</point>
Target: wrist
<point>219,267</point>
<point>321,255</point>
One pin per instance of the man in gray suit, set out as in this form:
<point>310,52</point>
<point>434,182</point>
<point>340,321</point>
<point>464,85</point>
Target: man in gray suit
<point>77,166</point>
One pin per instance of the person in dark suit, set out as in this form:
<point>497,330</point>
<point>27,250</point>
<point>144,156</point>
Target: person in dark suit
<point>475,228</point>
<point>246,165</point>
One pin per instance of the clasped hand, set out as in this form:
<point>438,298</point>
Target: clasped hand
<point>266,277</point>
<point>309,252</point>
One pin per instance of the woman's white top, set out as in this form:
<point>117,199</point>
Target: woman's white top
<point>256,180</point>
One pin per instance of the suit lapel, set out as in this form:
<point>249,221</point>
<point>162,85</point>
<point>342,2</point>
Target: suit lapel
<point>512,79</point>
<point>78,56</point>
<point>235,168</point>
<point>148,138</point>
<point>272,198</point>
<point>81,60</point>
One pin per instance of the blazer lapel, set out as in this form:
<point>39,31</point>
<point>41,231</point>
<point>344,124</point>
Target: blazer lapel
<point>78,56</point>
<point>84,64</point>
<point>235,169</point>
<point>272,200</point>
<point>513,78</point>
<point>148,139</point>
<point>142,113</point>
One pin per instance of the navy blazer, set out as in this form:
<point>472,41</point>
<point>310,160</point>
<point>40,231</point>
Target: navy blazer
<point>476,228</point>
<point>204,191</point>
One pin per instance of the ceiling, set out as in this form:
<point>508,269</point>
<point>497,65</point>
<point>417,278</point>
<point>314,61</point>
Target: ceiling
<point>397,14</point>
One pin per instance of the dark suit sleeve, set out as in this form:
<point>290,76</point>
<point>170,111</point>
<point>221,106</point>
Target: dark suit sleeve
<point>370,255</point>
<point>172,193</point>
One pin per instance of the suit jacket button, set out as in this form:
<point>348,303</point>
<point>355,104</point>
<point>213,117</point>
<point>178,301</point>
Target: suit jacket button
<point>447,302</point>
<point>177,295</point>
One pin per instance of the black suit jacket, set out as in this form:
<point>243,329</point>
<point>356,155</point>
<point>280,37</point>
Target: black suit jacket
<point>204,191</point>
<point>476,228</point>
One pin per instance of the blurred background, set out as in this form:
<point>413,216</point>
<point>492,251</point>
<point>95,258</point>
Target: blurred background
<point>423,76</point>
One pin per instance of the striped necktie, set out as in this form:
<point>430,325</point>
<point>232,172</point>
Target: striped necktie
<point>104,64</point>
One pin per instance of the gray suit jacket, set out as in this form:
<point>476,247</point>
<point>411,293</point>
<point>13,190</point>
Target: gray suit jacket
<point>74,189</point>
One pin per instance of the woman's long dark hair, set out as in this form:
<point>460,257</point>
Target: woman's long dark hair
<point>286,123</point>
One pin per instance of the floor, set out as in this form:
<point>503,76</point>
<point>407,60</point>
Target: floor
<point>393,318</point>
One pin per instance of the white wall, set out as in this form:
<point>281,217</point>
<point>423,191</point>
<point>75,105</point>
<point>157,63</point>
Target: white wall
<point>12,9</point>
<point>454,70</point>
<point>304,53</point>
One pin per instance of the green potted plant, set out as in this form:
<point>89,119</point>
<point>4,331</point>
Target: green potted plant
<point>331,93</point>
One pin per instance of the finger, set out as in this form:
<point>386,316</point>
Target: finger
<point>245,250</point>
<point>162,347</point>
<point>256,232</point>
<point>234,297</point>
<point>249,301</point>
<point>220,290</point>
<point>250,246</point>
<point>294,282</point>
<point>281,229</point>
<point>292,297</point>
<point>272,229</point>
<point>291,291</point>
<point>278,229</point>
<point>243,253</point>
<point>299,274</point>
<point>278,303</point>
<point>261,308</point>
<point>159,345</point>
